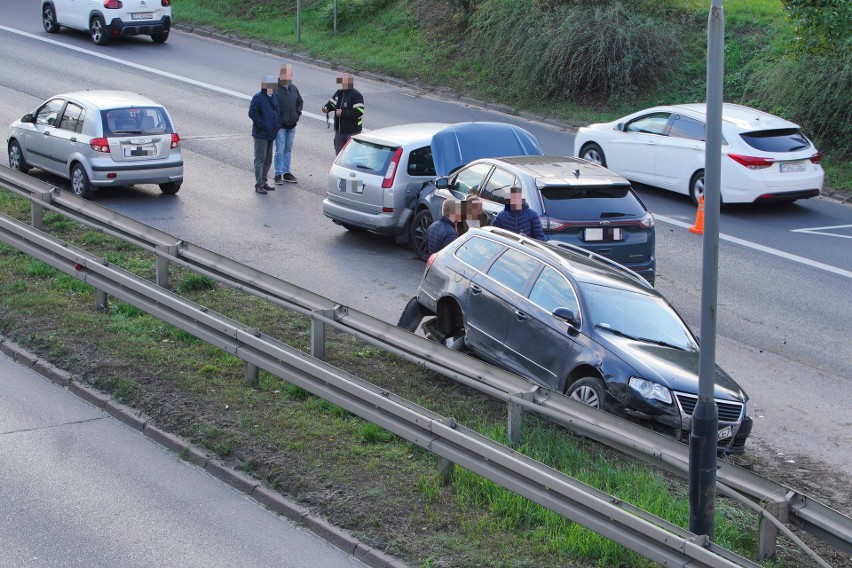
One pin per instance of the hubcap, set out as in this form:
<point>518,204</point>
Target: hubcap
<point>77,183</point>
<point>586,395</point>
<point>592,156</point>
<point>699,187</point>
<point>15,157</point>
<point>48,18</point>
<point>96,30</point>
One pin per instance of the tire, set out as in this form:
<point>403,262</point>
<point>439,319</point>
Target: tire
<point>16,158</point>
<point>419,239</point>
<point>591,152</point>
<point>696,186</point>
<point>170,188</point>
<point>80,185</point>
<point>98,31</point>
<point>48,19</point>
<point>588,390</point>
<point>160,37</point>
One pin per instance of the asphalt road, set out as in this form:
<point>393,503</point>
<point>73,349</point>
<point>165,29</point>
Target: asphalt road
<point>785,272</point>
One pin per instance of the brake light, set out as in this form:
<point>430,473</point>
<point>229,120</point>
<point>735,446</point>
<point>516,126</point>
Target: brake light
<point>551,224</point>
<point>175,141</point>
<point>432,258</point>
<point>100,145</point>
<point>391,173</point>
<point>752,162</point>
<point>112,4</point>
<point>555,225</point>
<point>816,158</point>
<point>166,3</point>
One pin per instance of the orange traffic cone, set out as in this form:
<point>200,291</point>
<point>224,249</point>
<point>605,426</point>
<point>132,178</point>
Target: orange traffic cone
<point>698,227</point>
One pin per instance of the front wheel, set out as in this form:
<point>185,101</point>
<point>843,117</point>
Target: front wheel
<point>170,188</point>
<point>591,152</point>
<point>419,237</point>
<point>80,182</point>
<point>48,19</point>
<point>160,37</point>
<point>16,158</point>
<point>98,31</point>
<point>588,390</point>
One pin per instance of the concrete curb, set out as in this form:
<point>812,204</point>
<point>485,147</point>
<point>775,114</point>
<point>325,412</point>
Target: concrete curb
<point>240,481</point>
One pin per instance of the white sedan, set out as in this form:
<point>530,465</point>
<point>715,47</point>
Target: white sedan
<point>764,157</point>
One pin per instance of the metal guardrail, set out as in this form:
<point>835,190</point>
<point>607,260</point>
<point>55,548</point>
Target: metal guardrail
<point>787,504</point>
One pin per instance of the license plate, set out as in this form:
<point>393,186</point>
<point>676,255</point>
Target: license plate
<point>792,167</point>
<point>133,151</point>
<point>725,433</point>
<point>603,234</point>
<point>141,15</point>
<point>350,185</point>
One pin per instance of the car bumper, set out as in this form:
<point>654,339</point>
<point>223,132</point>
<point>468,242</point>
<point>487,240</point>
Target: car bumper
<point>118,27</point>
<point>742,185</point>
<point>383,223</point>
<point>105,174</point>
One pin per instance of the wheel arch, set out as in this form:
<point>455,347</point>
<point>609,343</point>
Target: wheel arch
<point>450,315</point>
<point>579,372</point>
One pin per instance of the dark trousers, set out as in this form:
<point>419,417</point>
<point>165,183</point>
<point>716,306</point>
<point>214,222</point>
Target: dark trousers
<point>262,161</point>
<point>340,141</point>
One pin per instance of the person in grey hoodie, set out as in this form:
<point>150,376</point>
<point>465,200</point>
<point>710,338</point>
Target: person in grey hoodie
<point>289,109</point>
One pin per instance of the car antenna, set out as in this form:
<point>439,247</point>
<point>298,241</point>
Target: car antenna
<point>577,173</point>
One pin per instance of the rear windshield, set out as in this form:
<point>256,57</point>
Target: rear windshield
<point>142,120</point>
<point>582,203</point>
<point>785,140</point>
<point>365,156</point>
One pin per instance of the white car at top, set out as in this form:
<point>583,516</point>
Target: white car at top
<point>108,19</point>
<point>764,158</point>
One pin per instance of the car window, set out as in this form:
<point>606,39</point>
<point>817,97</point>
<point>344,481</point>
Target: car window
<point>470,179</point>
<point>142,120</point>
<point>478,252</point>
<point>420,162</point>
<point>583,203</point>
<point>365,157</point>
<point>685,127</point>
<point>552,290</point>
<point>498,186</point>
<point>654,123</point>
<point>72,118</point>
<point>513,269</point>
<point>782,140</point>
<point>48,112</point>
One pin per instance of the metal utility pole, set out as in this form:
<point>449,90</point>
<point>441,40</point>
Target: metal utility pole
<point>705,418</point>
<point>335,17</point>
<point>298,21</point>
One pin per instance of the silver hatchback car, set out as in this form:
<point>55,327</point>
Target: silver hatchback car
<point>99,139</point>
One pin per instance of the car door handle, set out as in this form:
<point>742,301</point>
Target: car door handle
<point>520,315</point>
<point>73,139</point>
<point>475,290</point>
<point>47,132</point>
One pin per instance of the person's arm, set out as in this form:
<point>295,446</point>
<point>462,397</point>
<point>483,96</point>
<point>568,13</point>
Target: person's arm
<point>331,105</point>
<point>498,221</point>
<point>535,227</point>
<point>300,104</point>
<point>356,110</point>
<point>254,111</point>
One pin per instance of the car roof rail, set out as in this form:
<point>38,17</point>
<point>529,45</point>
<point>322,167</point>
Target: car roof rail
<point>599,257</point>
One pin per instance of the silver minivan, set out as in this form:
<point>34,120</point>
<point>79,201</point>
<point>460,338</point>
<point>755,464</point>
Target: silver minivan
<point>379,176</point>
<point>98,139</point>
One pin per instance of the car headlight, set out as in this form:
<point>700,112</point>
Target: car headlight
<point>651,390</point>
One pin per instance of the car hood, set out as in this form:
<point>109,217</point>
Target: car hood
<point>460,144</point>
<point>674,368</point>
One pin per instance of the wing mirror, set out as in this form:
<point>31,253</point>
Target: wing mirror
<point>28,117</point>
<point>567,315</point>
<point>442,183</point>
<point>620,126</point>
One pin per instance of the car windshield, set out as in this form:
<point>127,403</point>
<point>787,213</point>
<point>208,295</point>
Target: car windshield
<point>636,315</point>
<point>137,120</point>
<point>783,140</point>
<point>365,156</point>
<point>582,203</point>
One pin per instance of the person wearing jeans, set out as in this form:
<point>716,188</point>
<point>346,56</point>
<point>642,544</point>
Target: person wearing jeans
<point>289,109</point>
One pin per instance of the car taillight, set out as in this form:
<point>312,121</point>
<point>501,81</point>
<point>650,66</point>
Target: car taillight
<point>752,162</point>
<point>432,258</point>
<point>647,221</point>
<point>100,145</point>
<point>551,224</point>
<point>175,141</point>
<point>816,158</point>
<point>166,3</point>
<point>112,4</point>
<point>389,175</point>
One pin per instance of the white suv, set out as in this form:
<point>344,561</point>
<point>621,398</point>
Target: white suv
<point>107,19</point>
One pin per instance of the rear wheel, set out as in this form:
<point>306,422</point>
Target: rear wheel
<point>80,181</point>
<point>98,31</point>
<point>170,188</point>
<point>419,239</point>
<point>696,186</point>
<point>588,390</point>
<point>16,158</point>
<point>160,37</point>
<point>48,19</point>
<point>591,152</point>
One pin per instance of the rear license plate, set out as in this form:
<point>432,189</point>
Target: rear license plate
<point>350,185</point>
<point>603,234</point>
<point>792,167</point>
<point>141,15</point>
<point>133,151</point>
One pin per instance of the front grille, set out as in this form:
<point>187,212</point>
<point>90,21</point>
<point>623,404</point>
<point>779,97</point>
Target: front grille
<point>728,411</point>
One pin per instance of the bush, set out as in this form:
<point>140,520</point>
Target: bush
<point>822,26</point>
<point>599,49</point>
<point>349,12</point>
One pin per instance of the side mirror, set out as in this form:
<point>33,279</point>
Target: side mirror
<point>28,117</point>
<point>442,183</point>
<point>620,126</point>
<point>567,315</point>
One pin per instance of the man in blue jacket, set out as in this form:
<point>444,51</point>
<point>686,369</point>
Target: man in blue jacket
<point>519,218</point>
<point>443,231</point>
<point>265,123</point>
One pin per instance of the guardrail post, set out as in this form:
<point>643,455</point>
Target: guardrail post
<point>101,302</point>
<point>252,371</point>
<point>768,532</point>
<point>318,332</point>
<point>38,209</point>
<point>515,424</point>
<point>445,466</point>
<point>162,269</point>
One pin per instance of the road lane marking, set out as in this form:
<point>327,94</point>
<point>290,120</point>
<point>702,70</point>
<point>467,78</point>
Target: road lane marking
<point>822,231</point>
<point>762,248</point>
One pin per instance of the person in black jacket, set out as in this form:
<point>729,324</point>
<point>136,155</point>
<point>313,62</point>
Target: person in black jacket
<point>445,230</point>
<point>347,104</point>
<point>289,109</point>
<point>265,123</point>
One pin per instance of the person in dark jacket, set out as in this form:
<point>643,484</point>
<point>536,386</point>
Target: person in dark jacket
<point>519,218</point>
<point>443,231</point>
<point>265,123</point>
<point>347,104</point>
<point>289,109</point>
